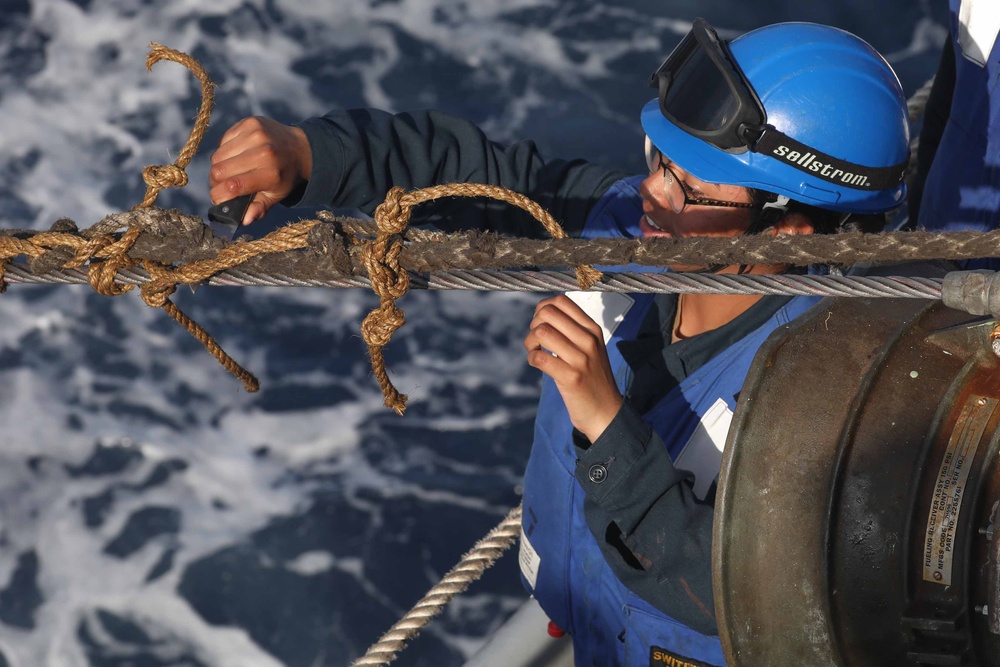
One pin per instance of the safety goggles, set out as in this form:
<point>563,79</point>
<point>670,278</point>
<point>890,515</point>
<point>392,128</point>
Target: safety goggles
<point>703,91</point>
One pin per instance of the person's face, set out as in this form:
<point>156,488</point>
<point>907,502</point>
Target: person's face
<point>676,204</point>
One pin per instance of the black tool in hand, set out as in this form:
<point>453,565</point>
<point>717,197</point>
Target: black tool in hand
<point>225,218</point>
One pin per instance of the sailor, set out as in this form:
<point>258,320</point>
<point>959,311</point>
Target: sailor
<point>957,181</point>
<point>789,129</point>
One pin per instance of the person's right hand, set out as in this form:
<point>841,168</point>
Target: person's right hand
<point>568,345</point>
<point>262,156</point>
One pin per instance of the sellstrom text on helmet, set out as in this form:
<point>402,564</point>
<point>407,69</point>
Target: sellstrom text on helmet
<point>827,171</point>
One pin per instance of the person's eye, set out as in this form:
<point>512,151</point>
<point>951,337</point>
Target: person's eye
<point>697,191</point>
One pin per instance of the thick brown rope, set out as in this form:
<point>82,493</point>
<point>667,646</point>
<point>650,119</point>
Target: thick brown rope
<point>157,177</point>
<point>389,281</point>
<point>108,255</point>
<point>334,253</point>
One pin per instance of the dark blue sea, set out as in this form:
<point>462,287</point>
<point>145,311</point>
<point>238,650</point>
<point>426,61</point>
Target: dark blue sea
<point>154,513</point>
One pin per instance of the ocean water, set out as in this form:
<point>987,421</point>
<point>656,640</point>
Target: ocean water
<point>152,512</point>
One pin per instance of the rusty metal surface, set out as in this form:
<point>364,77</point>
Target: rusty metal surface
<point>828,480</point>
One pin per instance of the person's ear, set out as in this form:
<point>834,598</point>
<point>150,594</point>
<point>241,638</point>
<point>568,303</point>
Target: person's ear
<point>792,223</point>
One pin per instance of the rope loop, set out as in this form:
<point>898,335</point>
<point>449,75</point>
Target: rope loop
<point>166,176</point>
<point>390,282</point>
<point>157,292</point>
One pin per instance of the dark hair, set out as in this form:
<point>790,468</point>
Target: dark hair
<point>824,220</point>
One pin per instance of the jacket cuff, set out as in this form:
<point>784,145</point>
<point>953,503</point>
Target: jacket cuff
<point>626,469</point>
<point>328,164</point>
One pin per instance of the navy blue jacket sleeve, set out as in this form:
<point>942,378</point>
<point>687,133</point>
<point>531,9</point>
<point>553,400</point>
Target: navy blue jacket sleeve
<point>359,154</point>
<point>649,509</point>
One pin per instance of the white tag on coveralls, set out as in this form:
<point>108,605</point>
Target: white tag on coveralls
<point>608,309</point>
<point>702,454</point>
<point>529,560</point>
<point>978,26</point>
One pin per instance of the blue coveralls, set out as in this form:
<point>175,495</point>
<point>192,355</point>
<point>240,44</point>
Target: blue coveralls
<point>962,190</point>
<point>561,562</point>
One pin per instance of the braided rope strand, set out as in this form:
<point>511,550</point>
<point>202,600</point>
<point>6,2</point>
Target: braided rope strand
<point>157,292</point>
<point>159,177</point>
<point>469,569</point>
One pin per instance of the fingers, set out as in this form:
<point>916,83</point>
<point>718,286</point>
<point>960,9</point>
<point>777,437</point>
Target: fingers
<point>244,135</point>
<point>256,210</point>
<point>260,156</point>
<point>562,304</point>
<point>546,345</point>
<point>561,328</point>
<point>248,173</point>
<point>566,325</point>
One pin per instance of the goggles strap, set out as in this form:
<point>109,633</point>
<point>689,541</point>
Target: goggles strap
<point>826,167</point>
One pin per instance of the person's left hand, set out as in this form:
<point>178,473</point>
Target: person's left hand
<point>567,345</point>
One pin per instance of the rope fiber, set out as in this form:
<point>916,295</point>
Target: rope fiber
<point>469,569</point>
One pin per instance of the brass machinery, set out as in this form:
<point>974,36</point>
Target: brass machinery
<point>857,519</point>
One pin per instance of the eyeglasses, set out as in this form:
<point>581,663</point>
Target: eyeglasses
<point>678,193</point>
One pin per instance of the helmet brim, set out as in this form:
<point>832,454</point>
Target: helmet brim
<point>714,165</point>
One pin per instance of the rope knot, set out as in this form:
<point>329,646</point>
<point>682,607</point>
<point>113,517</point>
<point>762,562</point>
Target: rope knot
<point>393,214</point>
<point>108,257</point>
<point>381,259</point>
<point>389,281</point>
<point>157,292</point>
<point>164,176</point>
<point>158,177</point>
<point>101,275</point>
<point>379,325</point>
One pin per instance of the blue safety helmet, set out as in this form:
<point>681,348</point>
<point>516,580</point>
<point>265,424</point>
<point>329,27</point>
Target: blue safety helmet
<point>798,109</point>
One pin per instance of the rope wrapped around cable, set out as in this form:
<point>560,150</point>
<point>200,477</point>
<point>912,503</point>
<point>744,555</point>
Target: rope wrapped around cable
<point>162,249</point>
<point>331,248</point>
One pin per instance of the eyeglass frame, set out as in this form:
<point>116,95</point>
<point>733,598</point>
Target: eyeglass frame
<point>652,150</point>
